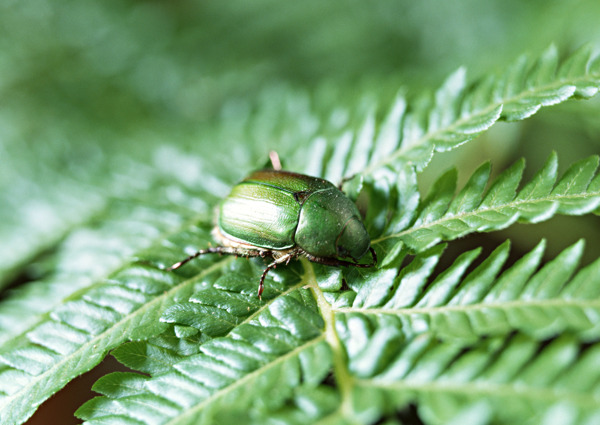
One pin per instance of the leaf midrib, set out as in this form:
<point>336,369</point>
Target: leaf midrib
<point>475,388</point>
<point>464,308</point>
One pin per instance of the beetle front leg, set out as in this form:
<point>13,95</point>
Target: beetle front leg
<point>344,180</point>
<point>336,262</point>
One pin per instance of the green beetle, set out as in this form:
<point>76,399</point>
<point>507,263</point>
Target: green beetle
<point>286,215</point>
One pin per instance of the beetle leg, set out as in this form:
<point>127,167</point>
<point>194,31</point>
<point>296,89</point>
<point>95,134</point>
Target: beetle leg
<point>344,180</point>
<point>261,283</point>
<point>210,250</point>
<point>275,162</point>
<point>336,262</point>
<point>374,255</point>
<point>283,259</point>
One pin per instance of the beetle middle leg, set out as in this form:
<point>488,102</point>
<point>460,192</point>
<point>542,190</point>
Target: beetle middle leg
<point>285,258</point>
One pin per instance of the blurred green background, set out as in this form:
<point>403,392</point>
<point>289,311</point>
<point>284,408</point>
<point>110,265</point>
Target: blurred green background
<point>87,87</point>
<point>87,75</point>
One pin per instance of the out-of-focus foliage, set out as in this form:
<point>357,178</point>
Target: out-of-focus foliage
<point>122,123</point>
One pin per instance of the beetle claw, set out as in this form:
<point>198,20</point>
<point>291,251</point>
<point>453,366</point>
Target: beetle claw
<point>174,266</point>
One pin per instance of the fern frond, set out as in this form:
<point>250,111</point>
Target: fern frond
<point>488,300</point>
<point>278,348</point>
<point>92,252</point>
<point>443,216</point>
<point>33,218</point>
<point>204,338</point>
<point>58,328</point>
<point>514,379</point>
<point>227,304</point>
<point>458,112</point>
<point>230,376</point>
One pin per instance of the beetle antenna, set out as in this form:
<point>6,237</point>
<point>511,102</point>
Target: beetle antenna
<point>274,157</point>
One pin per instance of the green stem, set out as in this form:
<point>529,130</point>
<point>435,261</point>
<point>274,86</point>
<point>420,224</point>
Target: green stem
<point>342,375</point>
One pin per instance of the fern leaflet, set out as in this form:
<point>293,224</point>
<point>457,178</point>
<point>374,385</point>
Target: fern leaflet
<point>444,217</point>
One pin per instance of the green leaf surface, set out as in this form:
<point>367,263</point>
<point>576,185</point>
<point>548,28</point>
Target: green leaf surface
<point>270,347</point>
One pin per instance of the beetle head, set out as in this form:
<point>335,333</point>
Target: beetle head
<point>330,226</point>
<point>353,241</point>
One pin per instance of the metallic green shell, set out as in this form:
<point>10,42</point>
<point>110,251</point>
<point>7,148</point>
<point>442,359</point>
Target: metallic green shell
<point>280,210</point>
<point>288,181</point>
<point>330,226</point>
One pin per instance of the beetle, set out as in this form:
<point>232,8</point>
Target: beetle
<point>286,215</point>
